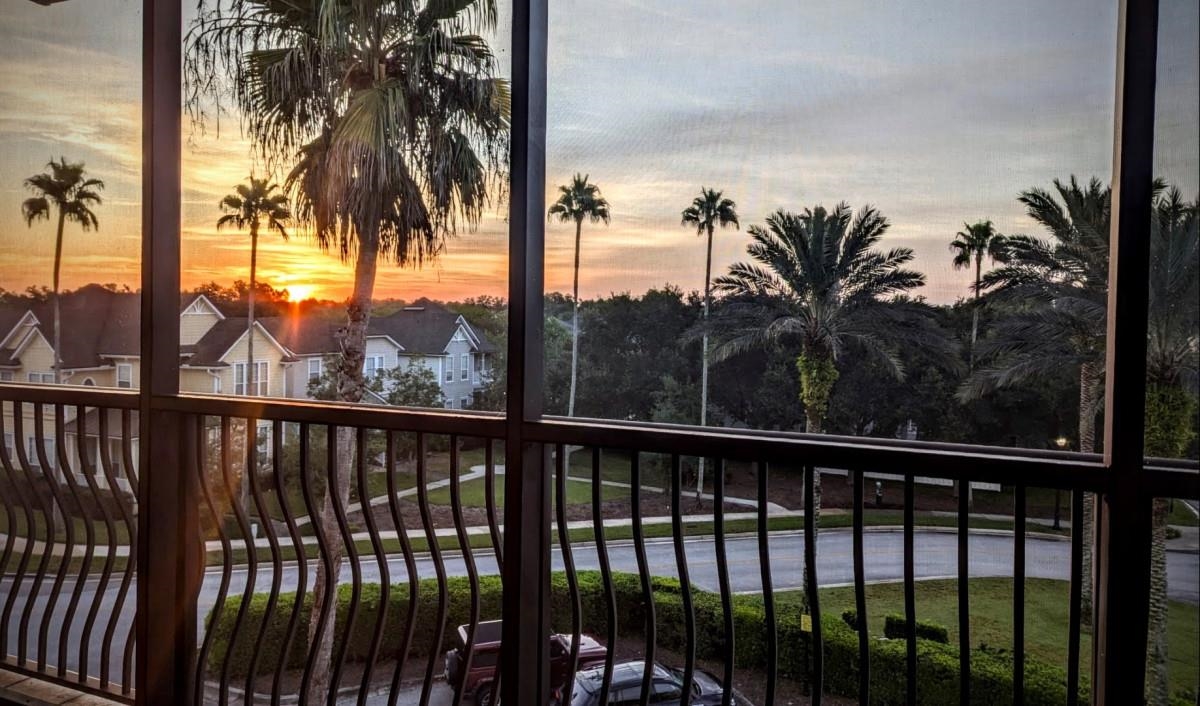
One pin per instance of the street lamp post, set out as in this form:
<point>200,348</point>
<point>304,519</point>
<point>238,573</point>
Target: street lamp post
<point>1061,442</point>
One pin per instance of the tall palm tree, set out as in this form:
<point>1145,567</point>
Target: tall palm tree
<point>1171,366</point>
<point>577,201</point>
<point>395,124</point>
<point>68,190</point>
<point>819,287</point>
<point>247,208</point>
<point>970,246</point>
<point>1057,292</point>
<point>708,211</point>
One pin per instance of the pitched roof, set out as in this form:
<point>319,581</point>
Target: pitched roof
<point>425,328</point>
<point>217,341</point>
<point>96,322</point>
<point>113,428</point>
<point>304,335</point>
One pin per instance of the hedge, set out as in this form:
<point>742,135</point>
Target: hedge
<point>937,663</point>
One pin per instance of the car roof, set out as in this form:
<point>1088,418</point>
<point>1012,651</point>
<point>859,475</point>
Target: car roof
<point>624,673</point>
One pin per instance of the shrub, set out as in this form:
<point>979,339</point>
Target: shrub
<point>937,662</point>
<point>895,627</point>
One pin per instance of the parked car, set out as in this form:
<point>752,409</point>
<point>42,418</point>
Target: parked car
<point>477,683</point>
<point>666,687</point>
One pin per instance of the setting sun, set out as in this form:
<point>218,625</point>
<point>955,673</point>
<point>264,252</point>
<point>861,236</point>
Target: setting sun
<point>300,292</point>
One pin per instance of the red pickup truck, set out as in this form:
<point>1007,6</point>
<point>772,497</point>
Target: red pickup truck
<point>486,651</point>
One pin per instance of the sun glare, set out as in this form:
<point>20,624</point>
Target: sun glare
<point>301,292</point>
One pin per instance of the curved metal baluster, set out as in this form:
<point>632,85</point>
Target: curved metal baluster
<point>610,597</point>
<point>1019,596</point>
<point>910,593</point>
<point>68,545</point>
<point>218,609</point>
<point>301,559</point>
<point>110,628</point>
<point>110,527</point>
<point>18,577</point>
<point>131,472</point>
<point>1074,597</point>
<point>89,552</point>
<point>47,510</point>
<point>310,504</point>
<point>339,514</point>
<point>639,550</point>
<point>723,580</point>
<point>385,576</point>
<point>564,545</point>
<point>410,566</point>
<point>860,595</point>
<point>768,589</point>
<point>265,522</point>
<point>685,583</point>
<point>435,554</point>
<point>243,524</point>
<point>810,579</point>
<point>964,605</point>
<point>464,542</point>
<point>489,463</point>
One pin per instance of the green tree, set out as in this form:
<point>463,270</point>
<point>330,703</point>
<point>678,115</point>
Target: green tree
<point>1056,291</point>
<point>397,124</point>
<point>970,245</point>
<point>68,190</point>
<point>708,211</point>
<point>248,207</point>
<point>819,288</point>
<point>1171,365</point>
<point>577,201</point>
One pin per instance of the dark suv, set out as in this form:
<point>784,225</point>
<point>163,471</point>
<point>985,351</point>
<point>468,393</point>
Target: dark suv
<point>478,681</point>
<point>666,687</point>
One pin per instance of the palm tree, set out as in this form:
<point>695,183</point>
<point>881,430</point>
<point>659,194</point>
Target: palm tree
<point>67,189</point>
<point>1058,290</point>
<point>970,245</point>
<point>819,288</point>
<point>577,201</point>
<point>708,210</point>
<point>1171,365</point>
<point>396,126</point>
<point>248,207</point>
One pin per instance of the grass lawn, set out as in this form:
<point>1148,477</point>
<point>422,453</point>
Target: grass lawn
<point>1181,516</point>
<point>474,493</point>
<point>1046,613</point>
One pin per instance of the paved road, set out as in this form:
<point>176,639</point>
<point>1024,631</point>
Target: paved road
<point>936,556</point>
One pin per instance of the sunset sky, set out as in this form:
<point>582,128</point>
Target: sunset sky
<point>935,112</point>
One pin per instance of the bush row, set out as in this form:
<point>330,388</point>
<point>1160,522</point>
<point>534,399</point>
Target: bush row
<point>937,663</point>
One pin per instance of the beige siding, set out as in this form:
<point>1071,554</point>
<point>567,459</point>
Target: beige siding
<point>264,349</point>
<point>197,381</point>
<point>192,327</point>
<point>36,357</point>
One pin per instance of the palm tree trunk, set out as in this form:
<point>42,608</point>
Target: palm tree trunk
<point>704,357</point>
<point>251,371</point>
<point>58,248</point>
<point>1089,389</point>
<point>575,323</point>
<point>817,377</point>
<point>351,387</point>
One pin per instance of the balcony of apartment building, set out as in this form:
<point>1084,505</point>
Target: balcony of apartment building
<point>187,521</point>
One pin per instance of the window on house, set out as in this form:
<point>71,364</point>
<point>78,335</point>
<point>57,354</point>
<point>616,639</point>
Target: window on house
<point>372,365</point>
<point>464,403</point>
<point>8,444</point>
<point>261,378</point>
<point>464,364</point>
<point>6,376</point>
<point>48,447</point>
<point>314,369</point>
<point>46,378</point>
<point>88,382</point>
<point>124,375</point>
<point>449,403</point>
<point>449,363</point>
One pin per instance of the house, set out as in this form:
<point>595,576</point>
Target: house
<point>100,336</point>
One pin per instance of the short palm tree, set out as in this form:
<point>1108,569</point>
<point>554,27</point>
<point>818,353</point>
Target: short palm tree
<point>970,246</point>
<point>68,190</point>
<point>818,287</point>
<point>1057,294</point>
<point>1171,366</point>
<point>576,202</point>
<point>395,122</point>
<point>708,211</point>
<point>250,205</point>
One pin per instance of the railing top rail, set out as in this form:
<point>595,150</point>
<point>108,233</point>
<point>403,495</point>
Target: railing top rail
<point>69,395</point>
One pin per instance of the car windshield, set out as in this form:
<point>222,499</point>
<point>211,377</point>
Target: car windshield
<point>581,694</point>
